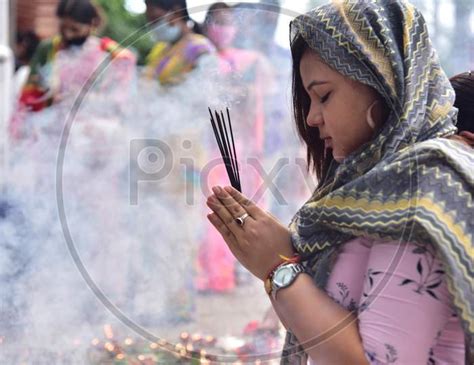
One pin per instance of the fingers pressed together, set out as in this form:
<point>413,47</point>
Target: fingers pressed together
<point>227,205</point>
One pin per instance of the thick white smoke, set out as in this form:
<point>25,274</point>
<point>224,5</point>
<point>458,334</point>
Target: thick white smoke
<point>135,212</point>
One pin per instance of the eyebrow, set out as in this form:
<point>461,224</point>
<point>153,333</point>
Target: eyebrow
<point>315,83</point>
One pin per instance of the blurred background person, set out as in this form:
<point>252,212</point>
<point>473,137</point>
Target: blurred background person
<point>258,23</point>
<point>221,29</point>
<point>244,79</point>
<point>171,89</point>
<point>48,82</point>
<point>73,61</point>
<point>25,47</point>
<point>463,85</point>
<point>179,48</point>
<point>62,65</point>
<point>215,262</point>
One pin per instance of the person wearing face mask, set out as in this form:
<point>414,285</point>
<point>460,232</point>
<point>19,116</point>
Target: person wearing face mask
<point>221,28</point>
<point>242,74</point>
<point>247,74</point>
<point>62,64</point>
<point>221,31</point>
<point>179,48</point>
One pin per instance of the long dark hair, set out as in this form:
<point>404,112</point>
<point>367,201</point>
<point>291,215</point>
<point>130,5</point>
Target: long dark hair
<point>318,162</point>
<point>170,5</point>
<point>463,85</point>
<point>82,11</point>
<point>30,40</point>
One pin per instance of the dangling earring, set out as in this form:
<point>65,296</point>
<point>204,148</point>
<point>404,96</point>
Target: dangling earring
<point>369,119</point>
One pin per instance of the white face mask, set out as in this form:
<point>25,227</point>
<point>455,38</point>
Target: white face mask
<point>164,32</point>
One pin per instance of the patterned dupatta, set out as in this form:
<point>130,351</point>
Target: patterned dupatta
<point>409,183</point>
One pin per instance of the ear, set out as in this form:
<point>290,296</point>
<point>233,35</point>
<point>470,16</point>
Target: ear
<point>378,111</point>
<point>369,118</point>
<point>468,137</point>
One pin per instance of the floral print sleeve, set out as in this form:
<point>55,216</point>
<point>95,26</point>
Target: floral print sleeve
<point>400,295</point>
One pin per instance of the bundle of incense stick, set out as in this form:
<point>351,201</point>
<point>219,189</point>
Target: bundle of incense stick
<point>222,128</point>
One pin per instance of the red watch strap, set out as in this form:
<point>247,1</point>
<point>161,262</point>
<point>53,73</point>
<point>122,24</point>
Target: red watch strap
<point>285,260</point>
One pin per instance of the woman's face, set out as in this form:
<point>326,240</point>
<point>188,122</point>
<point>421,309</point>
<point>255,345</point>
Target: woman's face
<point>221,29</point>
<point>222,17</point>
<point>339,106</point>
<point>73,32</point>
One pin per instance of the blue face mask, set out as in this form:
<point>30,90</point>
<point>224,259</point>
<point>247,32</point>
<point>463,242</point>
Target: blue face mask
<point>164,32</point>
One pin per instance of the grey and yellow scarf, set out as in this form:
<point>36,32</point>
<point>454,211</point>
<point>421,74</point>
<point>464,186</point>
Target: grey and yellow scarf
<point>409,183</point>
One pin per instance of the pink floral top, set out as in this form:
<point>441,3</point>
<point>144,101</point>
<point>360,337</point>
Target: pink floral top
<point>405,311</point>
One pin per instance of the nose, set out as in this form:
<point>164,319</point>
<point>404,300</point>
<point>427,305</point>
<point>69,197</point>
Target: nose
<point>314,118</point>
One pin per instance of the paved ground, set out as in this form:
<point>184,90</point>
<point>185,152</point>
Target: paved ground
<point>218,315</point>
<point>227,314</point>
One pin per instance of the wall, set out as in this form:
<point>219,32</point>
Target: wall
<point>37,15</point>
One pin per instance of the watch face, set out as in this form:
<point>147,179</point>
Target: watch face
<point>283,276</point>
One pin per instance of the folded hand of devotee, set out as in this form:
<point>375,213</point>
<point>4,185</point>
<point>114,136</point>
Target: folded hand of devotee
<point>254,236</point>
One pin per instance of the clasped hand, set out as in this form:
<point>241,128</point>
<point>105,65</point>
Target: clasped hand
<point>260,243</point>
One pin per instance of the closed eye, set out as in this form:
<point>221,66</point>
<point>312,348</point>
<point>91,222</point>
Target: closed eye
<point>325,97</point>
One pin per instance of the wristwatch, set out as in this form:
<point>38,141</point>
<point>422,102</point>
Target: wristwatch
<point>283,276</point>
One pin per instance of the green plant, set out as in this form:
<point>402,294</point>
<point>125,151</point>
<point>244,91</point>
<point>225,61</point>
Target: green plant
<point>124,27</point>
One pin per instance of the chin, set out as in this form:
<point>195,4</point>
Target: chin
<point>338,157</point>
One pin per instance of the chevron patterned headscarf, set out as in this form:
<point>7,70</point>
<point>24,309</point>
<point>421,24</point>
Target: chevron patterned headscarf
<point>409,183</point>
